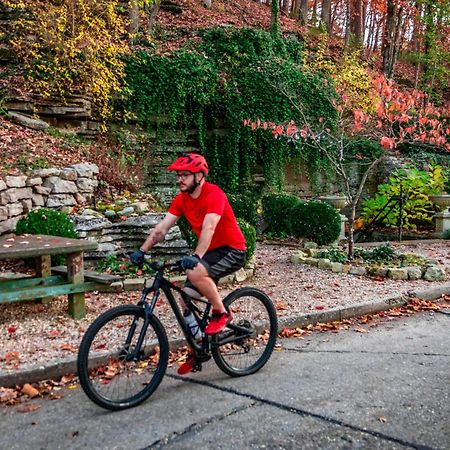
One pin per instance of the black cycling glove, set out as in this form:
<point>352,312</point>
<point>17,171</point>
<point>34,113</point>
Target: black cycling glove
<point>137,258</point>
<point>189,262</point>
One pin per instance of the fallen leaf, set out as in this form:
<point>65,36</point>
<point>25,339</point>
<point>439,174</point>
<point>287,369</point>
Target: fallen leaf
<point>8,395</point>
<point>280,306</point>
<point>12,357</point>
<point>67,379</point>
<point>382,419</point>
<point>29,390</point>
<point>361,330</point>
<point>29,407</point>
<point>69,347</point>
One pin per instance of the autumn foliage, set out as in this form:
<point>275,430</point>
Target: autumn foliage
<point>74,48</point>
<point>398,117</point>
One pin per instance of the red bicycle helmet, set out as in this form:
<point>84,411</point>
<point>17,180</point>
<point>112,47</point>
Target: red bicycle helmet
<point>191,162</point>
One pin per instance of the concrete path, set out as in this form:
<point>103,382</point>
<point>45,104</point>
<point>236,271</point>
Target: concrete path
<point>388,388</point>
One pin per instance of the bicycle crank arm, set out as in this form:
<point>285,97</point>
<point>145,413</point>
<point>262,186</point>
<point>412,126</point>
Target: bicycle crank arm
<point>230,339</point>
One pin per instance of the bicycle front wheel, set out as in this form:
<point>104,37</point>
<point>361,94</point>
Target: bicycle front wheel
<point>246,345</point>
<point>112,373</point>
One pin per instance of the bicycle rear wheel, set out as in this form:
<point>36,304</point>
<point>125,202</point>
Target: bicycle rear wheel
<point>110,372</point>
<point>246,345</point>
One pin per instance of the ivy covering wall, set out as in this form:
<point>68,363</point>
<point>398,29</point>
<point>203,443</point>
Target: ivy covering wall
<point>212,86</point>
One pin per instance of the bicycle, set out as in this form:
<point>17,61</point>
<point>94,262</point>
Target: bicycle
<point>124,353</point>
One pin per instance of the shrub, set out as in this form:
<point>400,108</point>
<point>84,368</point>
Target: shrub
<point>383,253</point>
<point>315,220</point>
<point>244,207</point>
<point>276,209</point>
<point>418,209</point>
<point>334,255</point>
<point>48,222</point>
<point>249,233</point>
<point>114,264</point>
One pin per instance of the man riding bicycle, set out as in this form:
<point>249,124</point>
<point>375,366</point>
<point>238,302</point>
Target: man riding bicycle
<point>221,245</point>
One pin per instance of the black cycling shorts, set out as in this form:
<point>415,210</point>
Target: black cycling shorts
<point>220,262</point>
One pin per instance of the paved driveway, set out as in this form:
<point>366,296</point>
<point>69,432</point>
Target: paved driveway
<point>385,389</point>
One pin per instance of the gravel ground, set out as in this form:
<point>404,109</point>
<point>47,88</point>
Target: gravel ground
<point>32,334</point>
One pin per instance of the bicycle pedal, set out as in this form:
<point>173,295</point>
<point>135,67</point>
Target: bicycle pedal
<point>197,367</point>
<point>203,357</point>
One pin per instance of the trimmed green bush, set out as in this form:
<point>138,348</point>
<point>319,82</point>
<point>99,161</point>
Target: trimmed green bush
<point>244,207</point>
<point>316,221</point>
<point>249,232</point>
<point>276,212</point>
<point>46,221</point>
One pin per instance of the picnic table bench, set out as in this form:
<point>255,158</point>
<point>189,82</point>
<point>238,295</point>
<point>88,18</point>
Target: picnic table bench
<point>71,280</point>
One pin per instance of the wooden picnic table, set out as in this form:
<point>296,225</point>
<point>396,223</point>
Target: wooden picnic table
<point>44,284</point>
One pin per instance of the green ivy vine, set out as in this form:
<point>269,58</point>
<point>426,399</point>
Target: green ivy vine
<point>233,74</point>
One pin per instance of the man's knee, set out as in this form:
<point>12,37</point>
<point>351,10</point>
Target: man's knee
<point>196,274</point>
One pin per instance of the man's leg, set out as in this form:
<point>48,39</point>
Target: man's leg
<point>205,284</point>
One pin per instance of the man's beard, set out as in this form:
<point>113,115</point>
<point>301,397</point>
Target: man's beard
<point>185,187</point>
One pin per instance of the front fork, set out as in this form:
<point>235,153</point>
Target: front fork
<point>136,354</point>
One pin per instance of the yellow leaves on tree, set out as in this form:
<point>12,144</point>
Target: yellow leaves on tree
<point>351,78</point>
<point>76,46</point>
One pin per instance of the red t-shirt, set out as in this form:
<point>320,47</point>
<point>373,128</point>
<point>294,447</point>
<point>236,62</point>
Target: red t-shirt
<point>211,200</point>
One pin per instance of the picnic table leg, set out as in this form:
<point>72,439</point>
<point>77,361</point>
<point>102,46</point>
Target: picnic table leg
<point>75,275</point>
<point>43,269</point>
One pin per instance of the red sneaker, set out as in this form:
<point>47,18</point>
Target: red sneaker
<point>218,322</point>
<point>188,365</point>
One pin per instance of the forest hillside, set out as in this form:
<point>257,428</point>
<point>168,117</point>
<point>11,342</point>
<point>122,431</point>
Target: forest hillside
<point>226,77</point>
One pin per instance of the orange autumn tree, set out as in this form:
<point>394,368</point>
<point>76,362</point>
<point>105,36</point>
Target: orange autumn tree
<point>397,117</point>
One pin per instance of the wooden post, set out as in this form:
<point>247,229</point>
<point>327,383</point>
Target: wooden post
<point>75,275</point>
<point>43,270</point>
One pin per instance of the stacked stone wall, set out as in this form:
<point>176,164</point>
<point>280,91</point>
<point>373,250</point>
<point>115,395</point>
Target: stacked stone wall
<point>45,188</point>
<point>128,235</point>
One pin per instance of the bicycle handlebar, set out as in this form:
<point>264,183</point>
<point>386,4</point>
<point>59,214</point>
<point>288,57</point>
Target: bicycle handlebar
<point>158,266</point>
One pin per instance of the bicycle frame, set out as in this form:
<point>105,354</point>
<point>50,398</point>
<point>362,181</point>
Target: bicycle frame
<point>160,283</point>
<point>202,349</point>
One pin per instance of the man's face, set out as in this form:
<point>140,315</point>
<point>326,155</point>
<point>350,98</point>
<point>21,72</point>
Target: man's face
<point>185,180</point>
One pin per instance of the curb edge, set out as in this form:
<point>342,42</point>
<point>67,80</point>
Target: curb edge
<point>59,368</point>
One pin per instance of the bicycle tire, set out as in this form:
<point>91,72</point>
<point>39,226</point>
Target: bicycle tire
<point>102,365</point>
<point>252,308</point>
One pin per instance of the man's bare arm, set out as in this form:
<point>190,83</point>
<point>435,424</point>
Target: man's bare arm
<point>159,232</point>
<point>208,229</point>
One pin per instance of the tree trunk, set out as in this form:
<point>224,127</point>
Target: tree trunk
<point>295,9</point>
<point>388,36</point>
<point>152,16</point>
<point>133,14</point>
<point>347,26</point>
<point>378,27</point>
<point>396,42</point>
<point>429,36</point>
<point>325,16</point>
<point>415,41</point>
<point>356,24</point>
<point>274,18</point>
<point>351,231</point>
<point>314,14</point>
<point>303,12</point>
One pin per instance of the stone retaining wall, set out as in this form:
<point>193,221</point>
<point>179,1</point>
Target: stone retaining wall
<point>45,188</point>
<point>128,235</point>
<point>431,272</point>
